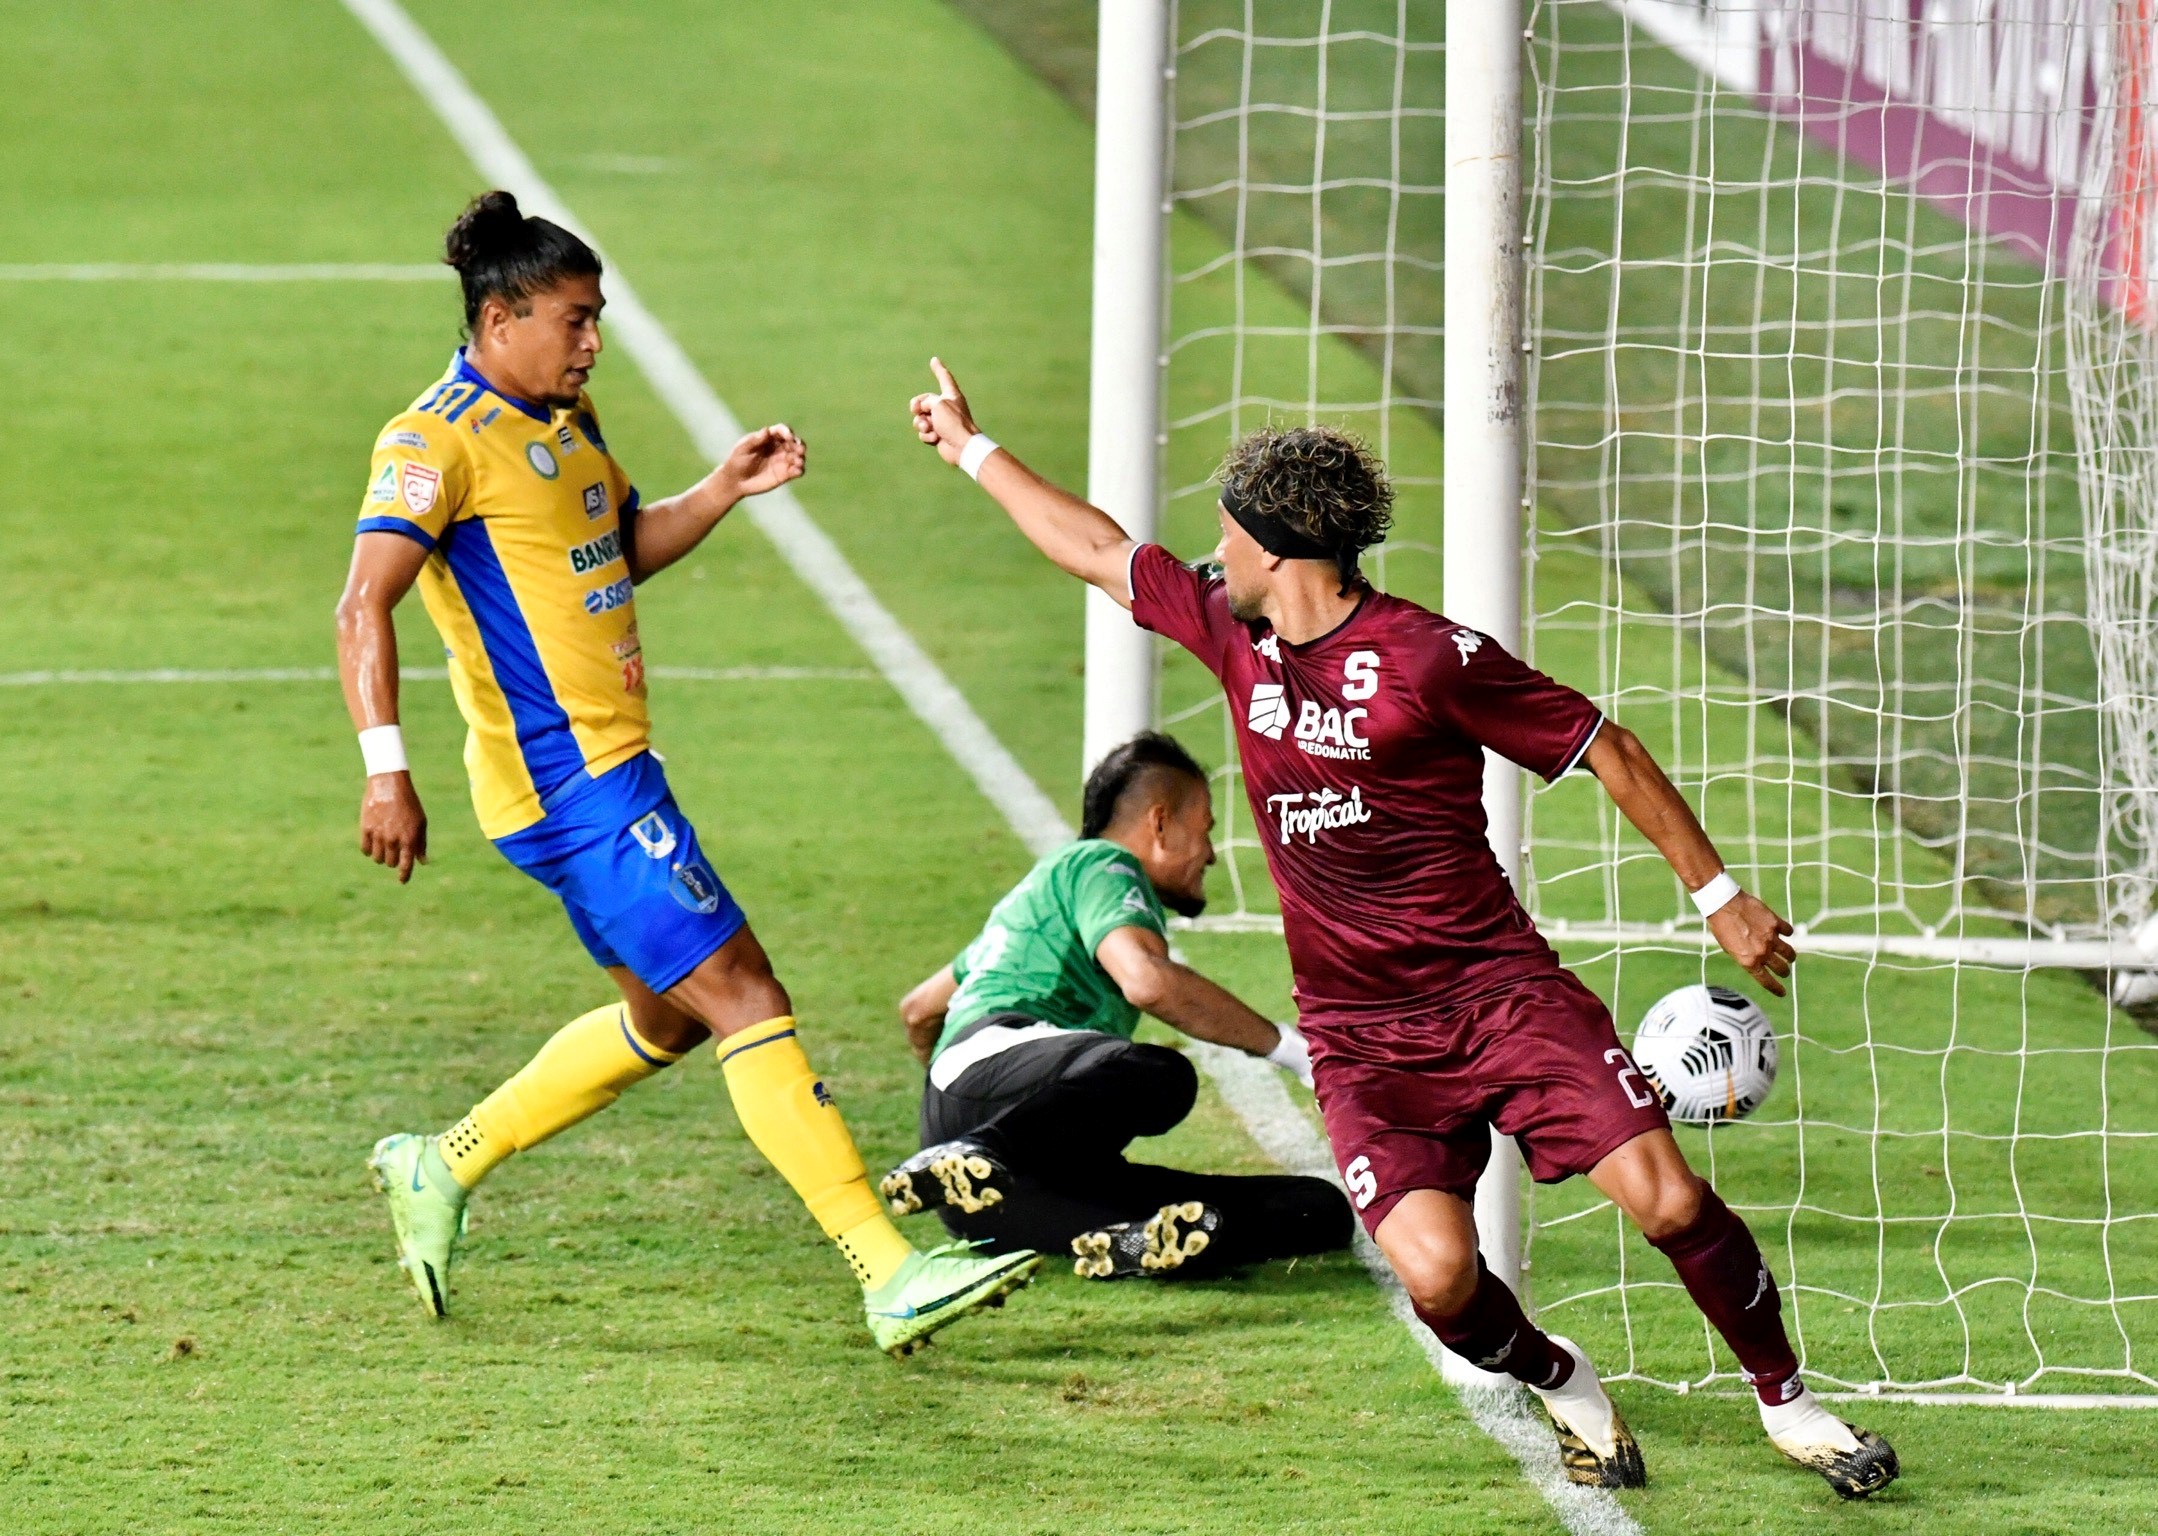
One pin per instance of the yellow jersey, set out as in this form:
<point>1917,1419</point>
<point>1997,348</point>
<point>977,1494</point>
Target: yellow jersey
<point>521,511</point>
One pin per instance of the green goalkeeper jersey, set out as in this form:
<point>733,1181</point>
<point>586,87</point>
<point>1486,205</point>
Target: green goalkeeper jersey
<point>1036,953</point>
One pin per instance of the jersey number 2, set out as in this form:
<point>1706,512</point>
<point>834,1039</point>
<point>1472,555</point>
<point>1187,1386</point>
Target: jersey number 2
<point>1629,1078</point>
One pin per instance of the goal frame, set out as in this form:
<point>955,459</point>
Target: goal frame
<point>1486,501</point>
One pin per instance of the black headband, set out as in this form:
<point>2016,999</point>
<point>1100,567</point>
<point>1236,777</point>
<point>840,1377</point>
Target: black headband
<point>1272,534</point>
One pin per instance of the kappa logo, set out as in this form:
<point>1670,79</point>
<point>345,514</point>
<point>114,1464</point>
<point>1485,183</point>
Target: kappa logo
<point>1468,642</point>
<point>1306,815</point>
<point>541,460</point>
<point>595,501</point>
<point>1267,713</point>
<point>604,550</point>
<point>385,486</point>
<point>1269,646</point>
<point>417,486</point>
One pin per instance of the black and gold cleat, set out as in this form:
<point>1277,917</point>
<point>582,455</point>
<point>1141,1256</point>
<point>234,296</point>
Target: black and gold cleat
<point>1596,1448</point>
<point>1856,1462</point>
<point>964,1175</point>
<point>1160,1245</point>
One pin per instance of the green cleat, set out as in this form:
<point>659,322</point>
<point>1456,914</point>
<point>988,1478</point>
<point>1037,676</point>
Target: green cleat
<point>427,1209</point>
<point>937,1288</point>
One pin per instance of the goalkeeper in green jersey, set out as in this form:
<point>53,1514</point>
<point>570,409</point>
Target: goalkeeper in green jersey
<point>1036,1086</point>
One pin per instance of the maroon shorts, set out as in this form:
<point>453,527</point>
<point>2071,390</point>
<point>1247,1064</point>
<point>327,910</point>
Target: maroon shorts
<point>1410,1103</point>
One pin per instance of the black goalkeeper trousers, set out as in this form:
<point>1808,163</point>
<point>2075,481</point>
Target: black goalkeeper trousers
<point>1059,1114</point>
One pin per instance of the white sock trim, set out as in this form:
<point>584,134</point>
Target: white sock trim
<point>1803,1423</point>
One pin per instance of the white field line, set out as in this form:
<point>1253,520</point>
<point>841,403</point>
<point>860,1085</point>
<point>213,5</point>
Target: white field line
<point>932,696</point>
<point>223,272</point>
<point>71,677</point>
<point>714,430</point>
<point>1253,1089</point>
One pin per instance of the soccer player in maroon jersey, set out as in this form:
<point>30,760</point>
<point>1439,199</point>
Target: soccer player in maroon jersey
<point>1434,1010</point>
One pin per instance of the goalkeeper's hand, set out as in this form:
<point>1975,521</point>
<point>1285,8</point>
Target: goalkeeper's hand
<point>1752,934</point>
<point>942,420</point>
<point>1291,1054</point>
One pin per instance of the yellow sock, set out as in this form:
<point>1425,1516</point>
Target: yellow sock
<point>579,1072</point>
<point>789,1115</point>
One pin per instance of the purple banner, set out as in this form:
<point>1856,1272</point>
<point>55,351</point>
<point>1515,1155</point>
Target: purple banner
<point>1989,111</point>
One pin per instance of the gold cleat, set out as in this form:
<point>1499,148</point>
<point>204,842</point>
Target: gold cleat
<point>1160,1245</point>
<point>1596,1449</point>
<point>962,1175</point>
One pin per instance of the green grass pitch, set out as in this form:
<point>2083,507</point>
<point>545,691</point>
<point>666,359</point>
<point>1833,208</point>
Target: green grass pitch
<point>210,1006</point>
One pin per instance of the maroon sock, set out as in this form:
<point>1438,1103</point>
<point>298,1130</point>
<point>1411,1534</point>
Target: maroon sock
<point>1729,1281</point>
<point>1493,1332</point>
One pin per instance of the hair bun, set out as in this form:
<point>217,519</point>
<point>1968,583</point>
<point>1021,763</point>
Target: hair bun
<point>490,225</point>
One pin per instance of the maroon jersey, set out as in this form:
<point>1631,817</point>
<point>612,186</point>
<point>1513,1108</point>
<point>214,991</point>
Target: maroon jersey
<point>1363,756</point>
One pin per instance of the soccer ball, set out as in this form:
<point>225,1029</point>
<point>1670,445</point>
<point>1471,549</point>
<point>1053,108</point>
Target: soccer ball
<point>1709,1052</point>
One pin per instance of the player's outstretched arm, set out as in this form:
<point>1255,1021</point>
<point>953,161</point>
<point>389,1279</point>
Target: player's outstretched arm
<point>1138,961</point>
<point>923,1011</point>
<point>1746,926</point>
<point>1080,538</point>
<point>393,825</point>
<point>663,531</point>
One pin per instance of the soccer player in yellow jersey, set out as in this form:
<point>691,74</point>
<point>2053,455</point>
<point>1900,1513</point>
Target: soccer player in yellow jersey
<point>496,495</point>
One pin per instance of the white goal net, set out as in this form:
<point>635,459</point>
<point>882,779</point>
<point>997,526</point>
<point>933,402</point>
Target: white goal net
<point>1843,466</point>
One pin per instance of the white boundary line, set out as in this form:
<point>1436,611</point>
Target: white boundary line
<point>1250,1088</point>
<point>1253,1089</point>
<point>222,272</point>
<point>714,430</point>
<point>171,675</point>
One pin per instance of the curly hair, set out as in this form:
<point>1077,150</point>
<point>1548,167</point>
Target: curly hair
<point>1325,483</point>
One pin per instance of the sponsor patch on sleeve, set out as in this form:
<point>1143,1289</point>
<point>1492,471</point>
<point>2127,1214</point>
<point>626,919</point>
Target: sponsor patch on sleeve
<point>385,486</point>
<point>412,440</point>
<point>417,486</point>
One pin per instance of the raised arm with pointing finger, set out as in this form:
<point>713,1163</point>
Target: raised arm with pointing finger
<point>1085,541</point>
<point>1435,1012</point>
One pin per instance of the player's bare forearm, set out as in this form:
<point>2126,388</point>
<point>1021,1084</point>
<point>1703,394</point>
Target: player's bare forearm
<point>1138,961</point>
<point>1205,1010</point>
<point>664,531</point>
<point>393,824</point>
<point>1749,930</point>
<point>923,1009</point>
<point>1077,536</point>
<point>384,567</point>
<point>1645,796</point>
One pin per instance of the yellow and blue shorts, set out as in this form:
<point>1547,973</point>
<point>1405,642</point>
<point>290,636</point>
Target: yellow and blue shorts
<point>626,864</point>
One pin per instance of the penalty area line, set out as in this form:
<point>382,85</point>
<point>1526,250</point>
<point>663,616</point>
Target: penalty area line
<point>822,567</point>
<point>222,272</point>
<point>1253,1090</point>
<point>76,677</point>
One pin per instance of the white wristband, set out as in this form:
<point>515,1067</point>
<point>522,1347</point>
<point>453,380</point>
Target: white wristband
<point>977,450</point>
<point>1716,895</point>
<point>382,748</point>
<point>1291,1054</point>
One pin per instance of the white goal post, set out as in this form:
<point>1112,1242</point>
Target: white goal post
<point>1784,373</point>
